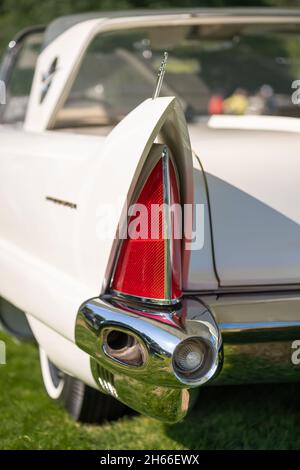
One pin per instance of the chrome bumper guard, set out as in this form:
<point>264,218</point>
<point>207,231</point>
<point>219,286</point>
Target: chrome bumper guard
<point>153,360</point>
<point>134,355</point>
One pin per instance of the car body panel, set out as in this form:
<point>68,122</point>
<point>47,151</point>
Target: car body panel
<point>201,274</point>
<point>58,200</point>
<point>57,188</point>
<point>253,184</point>
<point>62,352</point>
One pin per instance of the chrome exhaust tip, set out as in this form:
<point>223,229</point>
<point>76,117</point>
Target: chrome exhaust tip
<point>124,347</point>
<point>152,357</point>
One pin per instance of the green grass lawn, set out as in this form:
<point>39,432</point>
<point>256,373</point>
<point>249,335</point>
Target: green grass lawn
<point>245,417</point>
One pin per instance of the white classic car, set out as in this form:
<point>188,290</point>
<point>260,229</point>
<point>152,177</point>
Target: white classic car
<point>133,307</point>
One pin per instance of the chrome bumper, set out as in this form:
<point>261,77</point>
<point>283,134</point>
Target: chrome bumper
<point>144,375</point>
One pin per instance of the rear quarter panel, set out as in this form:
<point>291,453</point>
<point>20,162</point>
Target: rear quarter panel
<point>254,192</point>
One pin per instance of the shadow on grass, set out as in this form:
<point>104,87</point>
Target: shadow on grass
<point>242,417</point>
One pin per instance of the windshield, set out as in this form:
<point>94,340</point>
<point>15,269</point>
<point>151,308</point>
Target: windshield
<point>19,80</point>
<point>213,69</point>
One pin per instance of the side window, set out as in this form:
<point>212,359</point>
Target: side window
<point>20,69</point>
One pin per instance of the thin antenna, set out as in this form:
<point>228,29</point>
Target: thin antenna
<point>160,76</point>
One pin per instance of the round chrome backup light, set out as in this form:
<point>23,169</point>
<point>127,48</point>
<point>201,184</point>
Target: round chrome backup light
<point>189,356</point>
<point>192,359</point>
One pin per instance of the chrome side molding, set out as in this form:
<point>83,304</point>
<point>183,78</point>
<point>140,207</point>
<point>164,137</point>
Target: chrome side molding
<point>259,352</point>
<point>259,334</point>
<point>150,359</point>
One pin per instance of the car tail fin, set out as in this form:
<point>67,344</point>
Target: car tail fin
<point>148,266</point>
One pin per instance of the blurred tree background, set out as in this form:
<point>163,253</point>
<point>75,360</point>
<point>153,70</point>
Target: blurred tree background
<point>15,15</point>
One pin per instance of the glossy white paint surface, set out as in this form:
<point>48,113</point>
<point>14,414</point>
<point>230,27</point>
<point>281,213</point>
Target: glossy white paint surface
<point>262,123</point>
<point>39,248</point>
<point>63,353</point>
<point>52,257</point>
<point>253,181</point>
<point>201,273</point>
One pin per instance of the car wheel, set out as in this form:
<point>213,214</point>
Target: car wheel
<point>83,403</point>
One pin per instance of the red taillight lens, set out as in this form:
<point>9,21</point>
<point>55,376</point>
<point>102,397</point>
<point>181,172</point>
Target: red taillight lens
<point>149,266</point>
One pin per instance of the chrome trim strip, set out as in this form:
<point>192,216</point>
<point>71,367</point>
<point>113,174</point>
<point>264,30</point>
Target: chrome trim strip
<point>71,205</point>
<point>247,289</point>
<point>258,332</point>
<point>167,224</point>
<point>144,300</point>
<point>259,352</point>
<point>256,326</point>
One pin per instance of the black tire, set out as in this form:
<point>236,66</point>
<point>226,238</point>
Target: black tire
<point>83,403</point>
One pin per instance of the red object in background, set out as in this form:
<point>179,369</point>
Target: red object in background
<point>215,105</point>
<point>141,266</point>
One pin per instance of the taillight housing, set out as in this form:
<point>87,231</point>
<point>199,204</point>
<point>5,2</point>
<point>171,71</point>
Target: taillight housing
<point>148,266</point>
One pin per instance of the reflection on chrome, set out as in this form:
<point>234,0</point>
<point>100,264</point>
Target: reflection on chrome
<point>152,359</point>
<point>151,362</point>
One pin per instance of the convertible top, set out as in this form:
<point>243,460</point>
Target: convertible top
<point>63,23</point>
